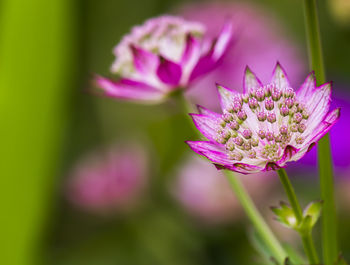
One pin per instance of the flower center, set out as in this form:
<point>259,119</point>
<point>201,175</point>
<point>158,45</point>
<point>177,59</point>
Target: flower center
<point>260,125</point>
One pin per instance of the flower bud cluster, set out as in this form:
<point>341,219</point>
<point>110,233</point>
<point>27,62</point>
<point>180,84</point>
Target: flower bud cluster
<point>260,124</point>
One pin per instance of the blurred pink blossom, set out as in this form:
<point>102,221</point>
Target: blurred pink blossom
<point>206,194</point>
<point>261,41</point>
<point>108,181</point>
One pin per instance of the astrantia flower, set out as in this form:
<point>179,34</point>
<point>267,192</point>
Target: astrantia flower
<point>266,126</point>
<point>164,54</point>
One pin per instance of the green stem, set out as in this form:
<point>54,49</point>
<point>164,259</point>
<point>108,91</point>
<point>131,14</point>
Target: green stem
<point>329,218</point>
<point>255,217</point>
<point>309,248</point>
<point>290,194</point>
<point>308,243</point>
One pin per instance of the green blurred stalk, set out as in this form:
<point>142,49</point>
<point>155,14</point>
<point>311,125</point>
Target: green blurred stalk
<point>36,59</point>
<point>329,218</point>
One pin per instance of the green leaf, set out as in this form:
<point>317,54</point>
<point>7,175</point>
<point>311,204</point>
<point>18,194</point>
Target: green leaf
<point>314,211</point>
<point>285,215</point>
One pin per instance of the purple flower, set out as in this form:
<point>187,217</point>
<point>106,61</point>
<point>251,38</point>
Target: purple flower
<point>260,41</point>
<point>204,192</point>
<point>108,181</point>
<point>275,124</point>
<point>162,55</point>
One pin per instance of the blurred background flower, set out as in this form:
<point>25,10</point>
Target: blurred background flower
<point>162,55</point>
<point>206,194</point>
<point>110,181</point>
<point>262,40</point>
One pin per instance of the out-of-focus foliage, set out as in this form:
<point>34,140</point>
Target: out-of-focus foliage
<point>37,64</point>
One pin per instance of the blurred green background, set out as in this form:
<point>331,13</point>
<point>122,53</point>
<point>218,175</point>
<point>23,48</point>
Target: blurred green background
<point>50,118</point>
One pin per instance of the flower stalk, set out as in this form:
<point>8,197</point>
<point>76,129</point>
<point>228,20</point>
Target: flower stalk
<point>255,217</point>
<point>306,237</point>
<point>329,219</point>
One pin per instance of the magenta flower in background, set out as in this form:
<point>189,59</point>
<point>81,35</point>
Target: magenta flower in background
<point>266,126</point>
<point>205,193</point>
<point>162,55</point>
<point>108,181</point>
<point>260,41</point>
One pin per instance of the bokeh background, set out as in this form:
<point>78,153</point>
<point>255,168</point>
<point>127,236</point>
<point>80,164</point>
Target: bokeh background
<point>88,180</point>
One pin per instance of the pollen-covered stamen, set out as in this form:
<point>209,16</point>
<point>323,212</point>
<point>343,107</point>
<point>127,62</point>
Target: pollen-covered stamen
<point>276,94</point>
<point>261,116</point>
<point>238,141</point>
<point>289,92</point>
<point>284,110</point>
<point>227,117</point>
<point>253,103</point>
<point>298,117</point>
<point>301,127</point>
<point>252,153</point>
<point>294,127</point>
<point>271,117</point>
<point>236,106</point>
<point>234,125</point>
<point>289,102</point>
<point>261,134</point>
<point>269,136</point>
<point>230,145</point>
<point>284,130</point>
<point>269,104</point>
<point>242,115</point>
<point>247,133</point>
<point>260,94</point>
<point>299,140</point>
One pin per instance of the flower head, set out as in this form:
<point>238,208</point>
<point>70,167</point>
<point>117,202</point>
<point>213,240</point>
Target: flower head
<point>108,181</point>
<point>266,126</point>
<point>164,54</point>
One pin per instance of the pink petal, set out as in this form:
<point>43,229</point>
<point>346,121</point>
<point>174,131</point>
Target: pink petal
<point>205,111</point>
<point>210,59</point>
<point>226,96</point>
<point>144,61</point>
<point>192,49</point>
<point>223,41</point>
<point>288,153</point>
<point>307,87</point>
<point>318,133</point>
<point>250,81</point>
<point>169,72</point>
<point>318,105</point>
<point>279,77</point>
<point>246,168</point>
<point>206,125</point>
<point>129,89</point>
<point>212,151</point>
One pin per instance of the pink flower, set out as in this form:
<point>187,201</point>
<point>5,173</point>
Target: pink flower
<point>205,193</point>
<point>108,181</point>
<point>266,126</point>
<point>162,55</point>
<point>260,41</point>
